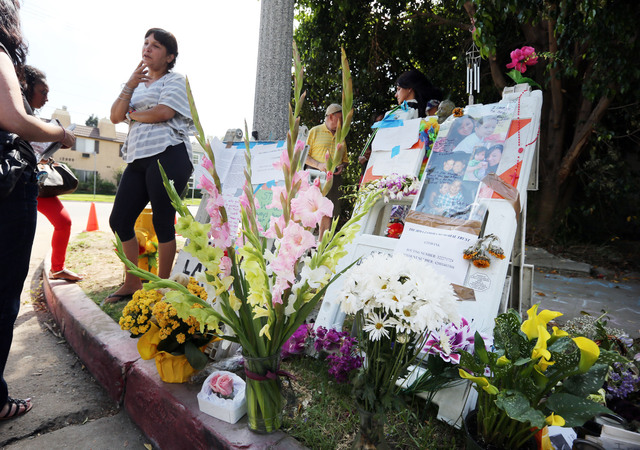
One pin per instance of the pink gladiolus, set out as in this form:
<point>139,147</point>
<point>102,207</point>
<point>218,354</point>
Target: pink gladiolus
<point>220,235</point>
<point>273,221</point>
<point>275,200</point>
<point>311,206</point>
<point>284,162</point>
<point>296,240</point>
<point>206,183</point>
<point>303,177</point>
<point>222,384</point>
<point>523,57</point>
<point>206,163</point>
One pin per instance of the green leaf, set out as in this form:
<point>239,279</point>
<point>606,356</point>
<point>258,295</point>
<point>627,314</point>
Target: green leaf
<point>196,358</point>
<point>587,383</point>
<point>609,357</point>
<point>518,407</point>
<point>574,410</point>
<point>479,348</point>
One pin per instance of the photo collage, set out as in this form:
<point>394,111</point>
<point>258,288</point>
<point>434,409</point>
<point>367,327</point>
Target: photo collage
<point>467,149</point>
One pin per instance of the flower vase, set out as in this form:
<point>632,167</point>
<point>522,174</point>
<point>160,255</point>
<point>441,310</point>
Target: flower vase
<point>264,396</point>
<point>371,433</point>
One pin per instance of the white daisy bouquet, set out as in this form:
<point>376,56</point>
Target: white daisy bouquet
<point>397,303</point>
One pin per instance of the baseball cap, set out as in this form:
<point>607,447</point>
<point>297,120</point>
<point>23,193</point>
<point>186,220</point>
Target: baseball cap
<point>333,108</point>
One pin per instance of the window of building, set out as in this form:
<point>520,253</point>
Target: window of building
<point>85,145</point>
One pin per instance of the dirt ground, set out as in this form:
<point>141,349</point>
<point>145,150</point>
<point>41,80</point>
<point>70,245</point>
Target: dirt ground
<point>93,254</point>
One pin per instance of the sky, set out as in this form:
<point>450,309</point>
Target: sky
<point>89,49</point>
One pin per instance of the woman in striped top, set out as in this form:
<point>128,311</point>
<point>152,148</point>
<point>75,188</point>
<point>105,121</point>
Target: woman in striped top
<point>154,102</point>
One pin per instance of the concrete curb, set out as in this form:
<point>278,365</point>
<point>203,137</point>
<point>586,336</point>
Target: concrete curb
<point>168,414</point>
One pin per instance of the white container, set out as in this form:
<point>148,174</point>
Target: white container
<point>229,410</point>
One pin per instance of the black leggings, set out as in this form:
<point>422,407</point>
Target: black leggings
<point>141,183</point>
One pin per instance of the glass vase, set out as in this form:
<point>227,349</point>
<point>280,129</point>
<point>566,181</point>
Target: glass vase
<point>371,433</point>
<point>264,396</point>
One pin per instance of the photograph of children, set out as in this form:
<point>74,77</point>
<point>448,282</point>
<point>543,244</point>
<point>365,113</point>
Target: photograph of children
<point>454,199</point>
<point>481,125</point>
<point>477,165</point>
<point>450,136</point>
<point>446,167</point>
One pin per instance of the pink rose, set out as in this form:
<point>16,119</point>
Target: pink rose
<point>222,384</point>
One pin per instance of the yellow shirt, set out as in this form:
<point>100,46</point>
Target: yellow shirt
<point>321,141</point>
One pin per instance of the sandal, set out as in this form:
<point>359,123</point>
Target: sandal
<point>16,407</point>
<point>65,274</point>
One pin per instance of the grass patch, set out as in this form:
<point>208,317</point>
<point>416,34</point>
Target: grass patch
<point>101,198</point>
<point>321,414</point>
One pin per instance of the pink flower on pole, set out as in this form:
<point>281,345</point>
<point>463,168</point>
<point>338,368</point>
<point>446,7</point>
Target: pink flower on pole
<point>220,235</point>
<point>523,57</point>
<point>311,206</point>
<point>222,384</point>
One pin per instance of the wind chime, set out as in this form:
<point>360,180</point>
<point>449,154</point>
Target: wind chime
<point>473,71</point>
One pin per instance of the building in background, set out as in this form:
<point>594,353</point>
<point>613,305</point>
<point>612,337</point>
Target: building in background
<point>97,149</point>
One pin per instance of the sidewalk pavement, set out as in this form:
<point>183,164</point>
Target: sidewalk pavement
<point>168,414</point>
<point>575,288</point>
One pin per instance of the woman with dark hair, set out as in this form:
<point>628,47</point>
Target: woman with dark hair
<point>36,92</point>
<point>415,88</point>
<point>494,156</point>
<point>154,101</point>
<point>460,128</point>
<point>18,208</point>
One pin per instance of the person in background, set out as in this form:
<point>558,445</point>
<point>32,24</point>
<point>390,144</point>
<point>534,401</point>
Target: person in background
<point>154,101</point>
<point>322,140</point>
<point>18,209</point>
<point>413,92</point>
<point>36,93</point>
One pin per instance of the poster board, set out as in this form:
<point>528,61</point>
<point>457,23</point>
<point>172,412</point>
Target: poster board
<point>230,166</point>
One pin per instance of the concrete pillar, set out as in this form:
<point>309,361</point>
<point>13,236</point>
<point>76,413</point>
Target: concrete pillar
<point>273,76</point>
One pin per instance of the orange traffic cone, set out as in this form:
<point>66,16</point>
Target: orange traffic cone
<point>92,223</point>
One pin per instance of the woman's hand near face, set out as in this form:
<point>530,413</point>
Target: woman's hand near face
<point>140,75</point>
<point>121,105</point>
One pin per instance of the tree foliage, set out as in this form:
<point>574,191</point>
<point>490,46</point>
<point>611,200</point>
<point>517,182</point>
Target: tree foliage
<point>587,73</point>
<point>92,121</point>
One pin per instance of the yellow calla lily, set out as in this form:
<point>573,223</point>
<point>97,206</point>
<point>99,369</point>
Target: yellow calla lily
<point>554,420</point>
<point>556,334</point>
<point>481,381</point>
<point>530,326</point>
<point>543,364</point>
<point>503,361</point>
<point>589,353</point>
<point>540,350</point>
<point>491,389</point>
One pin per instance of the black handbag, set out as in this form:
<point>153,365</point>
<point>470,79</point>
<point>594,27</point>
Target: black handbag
<point>60,180</point>
<point>16,155</point>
